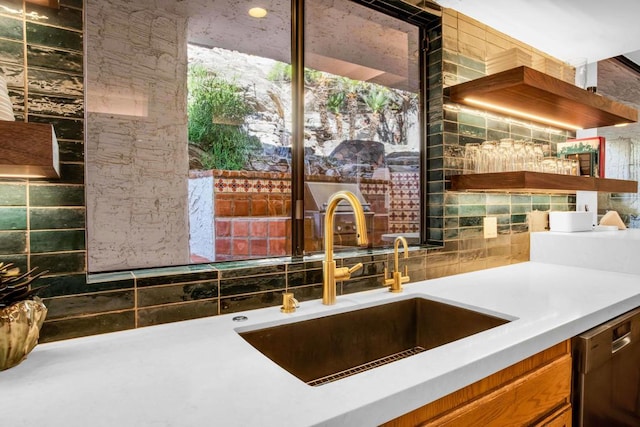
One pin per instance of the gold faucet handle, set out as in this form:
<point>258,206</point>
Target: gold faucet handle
<point>344,273</point>
<point>389,281</point>
<point>404,278</point>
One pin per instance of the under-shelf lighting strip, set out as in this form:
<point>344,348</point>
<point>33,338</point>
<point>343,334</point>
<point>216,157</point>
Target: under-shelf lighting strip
<point>522,114</point>
<point>506,119</point>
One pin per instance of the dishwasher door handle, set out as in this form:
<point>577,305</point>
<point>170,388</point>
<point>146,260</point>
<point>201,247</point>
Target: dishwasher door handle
<point>620,343</point>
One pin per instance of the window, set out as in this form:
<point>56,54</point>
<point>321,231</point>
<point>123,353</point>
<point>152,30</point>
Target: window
<point>232,73</point>
<point>362,132</point>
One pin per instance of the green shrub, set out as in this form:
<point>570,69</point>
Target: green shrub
<point>230,148</point>
<point>216,109</point>
<point>280,72</point>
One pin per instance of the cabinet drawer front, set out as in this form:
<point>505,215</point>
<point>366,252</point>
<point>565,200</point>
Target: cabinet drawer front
<point>517,403</point>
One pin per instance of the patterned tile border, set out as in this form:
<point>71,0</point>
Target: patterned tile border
<point>222,185</point>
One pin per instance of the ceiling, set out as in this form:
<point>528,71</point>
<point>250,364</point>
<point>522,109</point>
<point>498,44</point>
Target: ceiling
<point>342,38</point>
<point>565,29</point>
<point>569,30</point>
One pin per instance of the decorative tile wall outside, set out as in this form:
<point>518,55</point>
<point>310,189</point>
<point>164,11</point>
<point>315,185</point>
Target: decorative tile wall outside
<point>232,185</point>
<point>404,211</point>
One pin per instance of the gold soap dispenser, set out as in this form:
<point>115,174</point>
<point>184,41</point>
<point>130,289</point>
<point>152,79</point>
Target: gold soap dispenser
<point>289,303</point>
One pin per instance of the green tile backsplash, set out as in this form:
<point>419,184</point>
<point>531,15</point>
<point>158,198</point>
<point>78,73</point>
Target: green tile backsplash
<point>56,195</point>
<point>38,56</point>
<point>64,17</point>
<point>56,218</point>
<point>56,241</point>
<point>176,312</point>
<point>13,218</point>
<point>78,326</point>
<point>13,195</point>
<point>53,37</point>
<point>10,28</point>
<point>459,217</point>
<point>42,222</point>
<point>13,242</point>
<point>60,262</point>
<point>47,105</point>
<point>160,295</point>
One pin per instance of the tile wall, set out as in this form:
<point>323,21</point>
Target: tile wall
<point>43,221</point>
<point>458,48</point>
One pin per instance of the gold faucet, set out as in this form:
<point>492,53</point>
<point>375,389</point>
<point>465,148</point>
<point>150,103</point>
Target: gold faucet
<point>397,278</point>
<point>331,273</point>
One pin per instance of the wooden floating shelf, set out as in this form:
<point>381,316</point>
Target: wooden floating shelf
<point>538,182</point>
<point>29,150</point>
<point>527,92</point>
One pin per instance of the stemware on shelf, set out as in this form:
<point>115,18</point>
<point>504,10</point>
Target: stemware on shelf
<point>509,155</point>
<point>471,155</point>
<point>488,161</point>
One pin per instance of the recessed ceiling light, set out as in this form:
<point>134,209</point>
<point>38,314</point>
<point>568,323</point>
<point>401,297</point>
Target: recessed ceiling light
<point>258,12</point>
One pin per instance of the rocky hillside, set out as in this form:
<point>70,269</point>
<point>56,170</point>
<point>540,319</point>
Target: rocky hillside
<point>351,128</point>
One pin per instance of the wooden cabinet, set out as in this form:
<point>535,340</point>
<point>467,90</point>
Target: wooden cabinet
<point>533,392</point>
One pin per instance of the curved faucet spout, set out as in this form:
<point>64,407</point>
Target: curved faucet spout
<point>358,211</point>
<point>400,239</point>
<point>397,278</point>
<point>330,272</point>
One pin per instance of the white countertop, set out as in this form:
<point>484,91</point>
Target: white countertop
<point>202,373</point>
<point>600,250</point>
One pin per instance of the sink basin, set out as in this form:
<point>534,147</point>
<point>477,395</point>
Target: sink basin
<point>329,348</point>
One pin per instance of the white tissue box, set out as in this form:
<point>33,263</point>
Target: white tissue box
<point>571,221</point>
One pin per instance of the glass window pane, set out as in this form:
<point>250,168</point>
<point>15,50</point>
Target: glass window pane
<point>239,104</point>
<point>362,132</point>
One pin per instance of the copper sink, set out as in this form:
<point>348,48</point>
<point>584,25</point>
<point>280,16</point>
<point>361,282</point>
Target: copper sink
<point>329,348</point>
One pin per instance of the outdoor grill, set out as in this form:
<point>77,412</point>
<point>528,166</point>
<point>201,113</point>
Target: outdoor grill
<point>316,195</point>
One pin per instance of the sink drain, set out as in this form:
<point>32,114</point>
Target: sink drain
<point>366,366</point>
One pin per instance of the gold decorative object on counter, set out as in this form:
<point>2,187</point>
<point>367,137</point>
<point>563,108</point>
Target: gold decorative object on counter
<point>289,303</point>
<point>397,278</point>
<point>20,326</point>
<point>21,315</point>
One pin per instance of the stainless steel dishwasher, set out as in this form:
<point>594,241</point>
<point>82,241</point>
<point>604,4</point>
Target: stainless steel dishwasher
<point>606,390</point>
